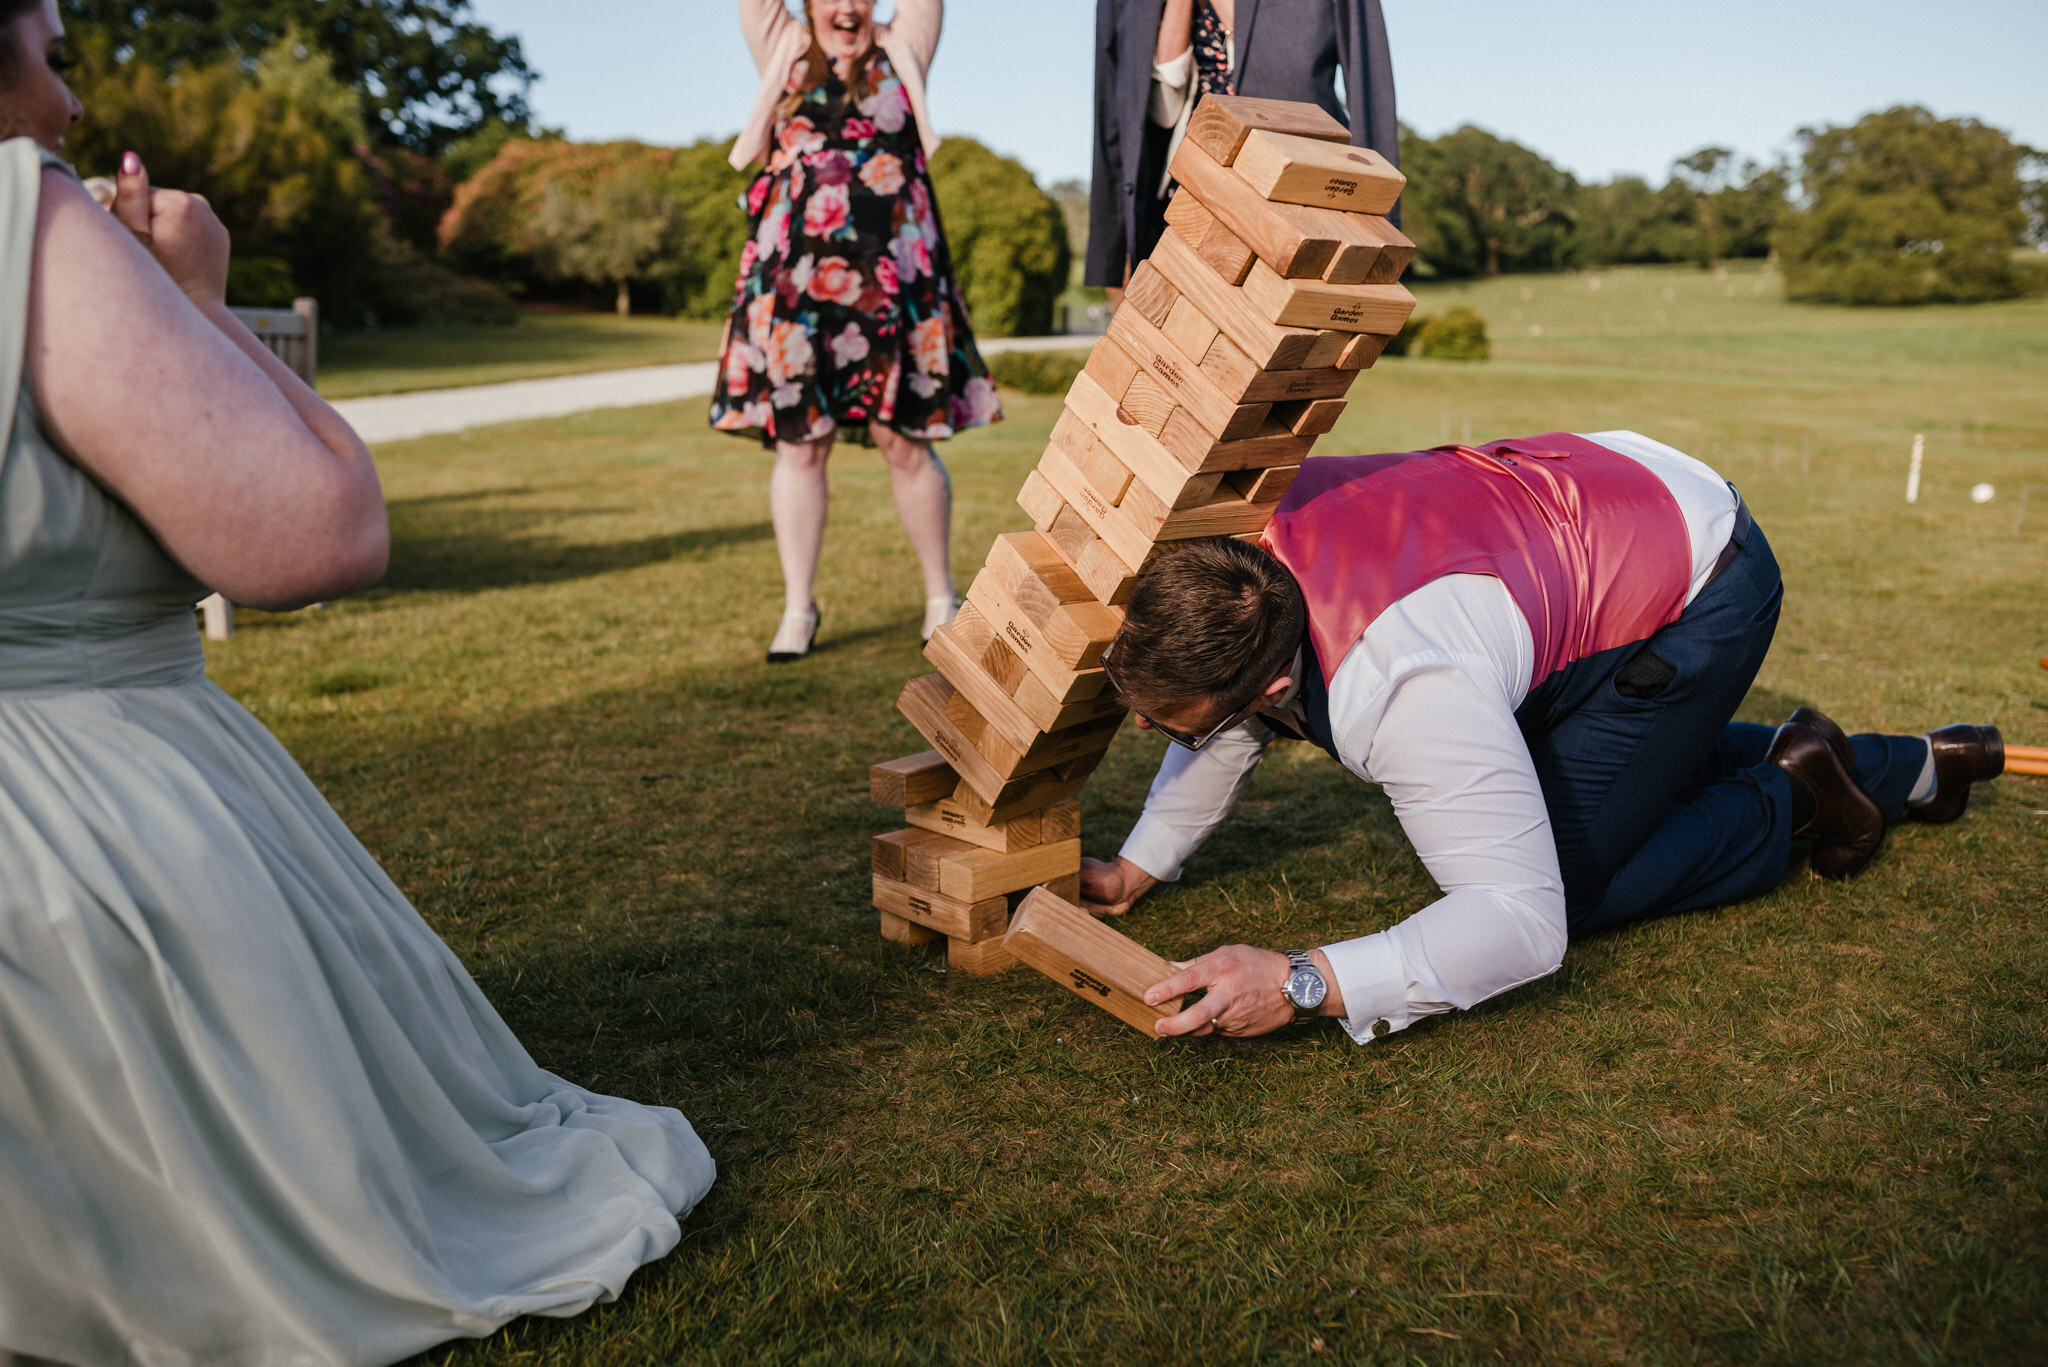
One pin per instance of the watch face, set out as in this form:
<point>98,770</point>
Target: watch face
<point>1305,988</point>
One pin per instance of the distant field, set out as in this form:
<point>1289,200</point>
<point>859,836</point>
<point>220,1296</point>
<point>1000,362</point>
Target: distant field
<point>393,360</point>
<point>1809,1129</point>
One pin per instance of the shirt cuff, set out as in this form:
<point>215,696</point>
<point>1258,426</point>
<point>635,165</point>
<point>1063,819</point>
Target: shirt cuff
<point>1374,982</point>
<point>1175,73</point>
<point>1157,848</point>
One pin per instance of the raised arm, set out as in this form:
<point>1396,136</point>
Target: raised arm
<point>763,22</point>
<point>243,474</point>
<point>916,24</point>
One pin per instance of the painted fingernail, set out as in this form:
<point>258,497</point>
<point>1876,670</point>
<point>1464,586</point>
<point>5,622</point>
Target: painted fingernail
<point>131,165</point>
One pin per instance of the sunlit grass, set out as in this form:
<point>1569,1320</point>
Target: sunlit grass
<point>393,360</point>
<point>1806,1129</point>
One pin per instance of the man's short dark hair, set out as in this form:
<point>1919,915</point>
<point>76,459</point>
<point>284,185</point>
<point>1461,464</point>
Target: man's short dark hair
<point>1216,618</point>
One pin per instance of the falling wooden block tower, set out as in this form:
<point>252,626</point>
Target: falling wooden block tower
<point>1275,283</point>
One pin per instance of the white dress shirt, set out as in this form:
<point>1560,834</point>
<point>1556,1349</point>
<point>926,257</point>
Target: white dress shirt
<point>1424,705</point>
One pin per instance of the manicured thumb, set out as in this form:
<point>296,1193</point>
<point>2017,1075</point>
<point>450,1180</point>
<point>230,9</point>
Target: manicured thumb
<point>131,198</point>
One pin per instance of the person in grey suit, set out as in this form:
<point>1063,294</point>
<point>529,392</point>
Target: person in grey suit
<point>1153,58</point>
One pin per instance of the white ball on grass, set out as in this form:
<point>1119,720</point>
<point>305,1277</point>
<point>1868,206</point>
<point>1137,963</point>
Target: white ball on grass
<point>1982,493</point>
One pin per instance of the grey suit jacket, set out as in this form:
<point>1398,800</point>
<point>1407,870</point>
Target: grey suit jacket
<point>1286,50</point>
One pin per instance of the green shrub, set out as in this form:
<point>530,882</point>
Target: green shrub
<point>1038,372</point>
<point>1008,239</point>
<point>1403,342</point>
<point>1459,335</point>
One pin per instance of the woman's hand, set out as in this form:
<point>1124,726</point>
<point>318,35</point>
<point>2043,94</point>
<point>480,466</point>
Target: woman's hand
<point>1114,887</point>
<point>180,230</point>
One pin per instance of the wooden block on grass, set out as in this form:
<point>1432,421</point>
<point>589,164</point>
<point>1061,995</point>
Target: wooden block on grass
<point>1318,304</point>
<point>983,960</point>
<point>938,914</point>
<point>1221,123</point>
<point>1097,964</point>
<point>1305,170</point>
<point>923,777</point>
<point>900,931</point>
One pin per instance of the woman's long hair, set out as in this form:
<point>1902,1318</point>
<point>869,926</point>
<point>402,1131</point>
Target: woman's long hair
<point>818,70</point>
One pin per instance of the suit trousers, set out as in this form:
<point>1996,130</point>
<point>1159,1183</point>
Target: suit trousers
<point>1659,801</point>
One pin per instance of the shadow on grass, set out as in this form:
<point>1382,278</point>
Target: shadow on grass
<point>492,553</point>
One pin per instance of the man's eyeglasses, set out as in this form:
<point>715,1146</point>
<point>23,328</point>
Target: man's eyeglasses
<point>1185,740</point>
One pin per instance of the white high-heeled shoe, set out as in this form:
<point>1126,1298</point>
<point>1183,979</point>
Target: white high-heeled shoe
<point>794,636</point>
<point>938,612</point>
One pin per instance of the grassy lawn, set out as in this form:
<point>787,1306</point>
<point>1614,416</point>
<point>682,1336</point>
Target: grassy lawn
<point>394,360</point>
<point>1805,1129</point>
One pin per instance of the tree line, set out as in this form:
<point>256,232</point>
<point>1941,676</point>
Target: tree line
<point>381,155</point>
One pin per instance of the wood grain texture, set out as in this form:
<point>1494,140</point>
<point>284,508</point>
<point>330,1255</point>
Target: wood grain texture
<point>1292,169</point>
<point>1268,345</point>
<point>1104,968</point>
<point>940,914</point>
<point>1296,241</point>
<point>1221,123</point>
<point>1318,304</point>
<point>922,777</point>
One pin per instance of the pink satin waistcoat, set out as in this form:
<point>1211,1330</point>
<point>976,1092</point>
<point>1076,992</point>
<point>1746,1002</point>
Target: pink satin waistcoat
<point>1590,544</point>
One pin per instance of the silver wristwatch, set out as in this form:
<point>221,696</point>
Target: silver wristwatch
<point>1304,988</point>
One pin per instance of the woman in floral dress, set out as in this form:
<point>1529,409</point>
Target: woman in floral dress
<point>846,317</point>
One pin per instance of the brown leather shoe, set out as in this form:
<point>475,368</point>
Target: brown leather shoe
<point>1963,754</point>
<point>1846,827</point>
<point>1837,740</point>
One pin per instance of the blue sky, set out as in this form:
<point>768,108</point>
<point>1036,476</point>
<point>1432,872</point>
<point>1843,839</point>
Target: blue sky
<point>1600,87</point>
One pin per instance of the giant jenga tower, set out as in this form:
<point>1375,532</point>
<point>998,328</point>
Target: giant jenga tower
<point>1274,285</point>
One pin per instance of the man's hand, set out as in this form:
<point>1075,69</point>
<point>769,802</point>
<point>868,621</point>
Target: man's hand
<point>179,229</point>
<point>1114,887</point>
<point>1243,993</point>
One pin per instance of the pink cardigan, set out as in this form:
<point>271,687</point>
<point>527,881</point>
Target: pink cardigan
<point>777,40</point>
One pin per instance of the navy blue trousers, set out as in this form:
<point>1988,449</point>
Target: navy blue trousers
<point>1659,802</point>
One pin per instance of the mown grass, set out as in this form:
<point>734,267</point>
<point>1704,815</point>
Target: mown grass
<point>1805,1129</point>
<point>396,360</point>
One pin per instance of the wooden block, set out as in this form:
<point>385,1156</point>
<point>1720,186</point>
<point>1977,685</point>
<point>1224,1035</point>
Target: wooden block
<point>1149,294</point>
<point>1028,793</point>
<point>939,914</point>
<point>900,931</point>
<point>1328,349</point>
<point>1274,444</point>
<point>1070,534</point>
<point>1221,123</point>
<point>983,960</point>
<point>1188,328</point>
<point>1062,821</point>
<point>1297,170</point>
<point>1106,576</point>
<point>1038,580</point>
<point>971,631</point>
<point>1296,241</point>
<point>923,702</point>
<point>1112,366</point>
<point>1218,390</point>
<point>952,654</point>
<point>1362,254</point>
<point>1227,514</point>
<point>1066,682</point>
<point>948,817</point>
<point>1314,418</point>
<point>1101,966</point>
<point>885,854</point>
<point>1222,250</point>
<point>1263,486</point>
<point>1178,381</point>
<point>1268,345</point>
<point>1038,703</point>
<point>1317,304</point>
<point>1050,749</point>
<point>1105,474</point>
<point>1396,252</point>
<point>1363,350</point>
<point>970,874</point>
<point>1138,450</point>
<point>923,777</point>
<point>1038,501</point>
<point>1129,543</point>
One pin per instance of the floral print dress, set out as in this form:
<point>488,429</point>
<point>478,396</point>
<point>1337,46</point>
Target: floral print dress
<point>846,312</point>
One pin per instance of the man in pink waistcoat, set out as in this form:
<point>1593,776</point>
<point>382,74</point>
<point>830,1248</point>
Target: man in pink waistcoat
<point>1536,647</point>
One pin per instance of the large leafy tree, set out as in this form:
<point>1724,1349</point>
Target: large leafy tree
<point>1479,204</point>
<point>1906,208</point>
<point>429,74</point>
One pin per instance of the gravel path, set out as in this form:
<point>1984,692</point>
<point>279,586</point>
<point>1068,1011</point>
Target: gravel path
<point>428,412</point>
